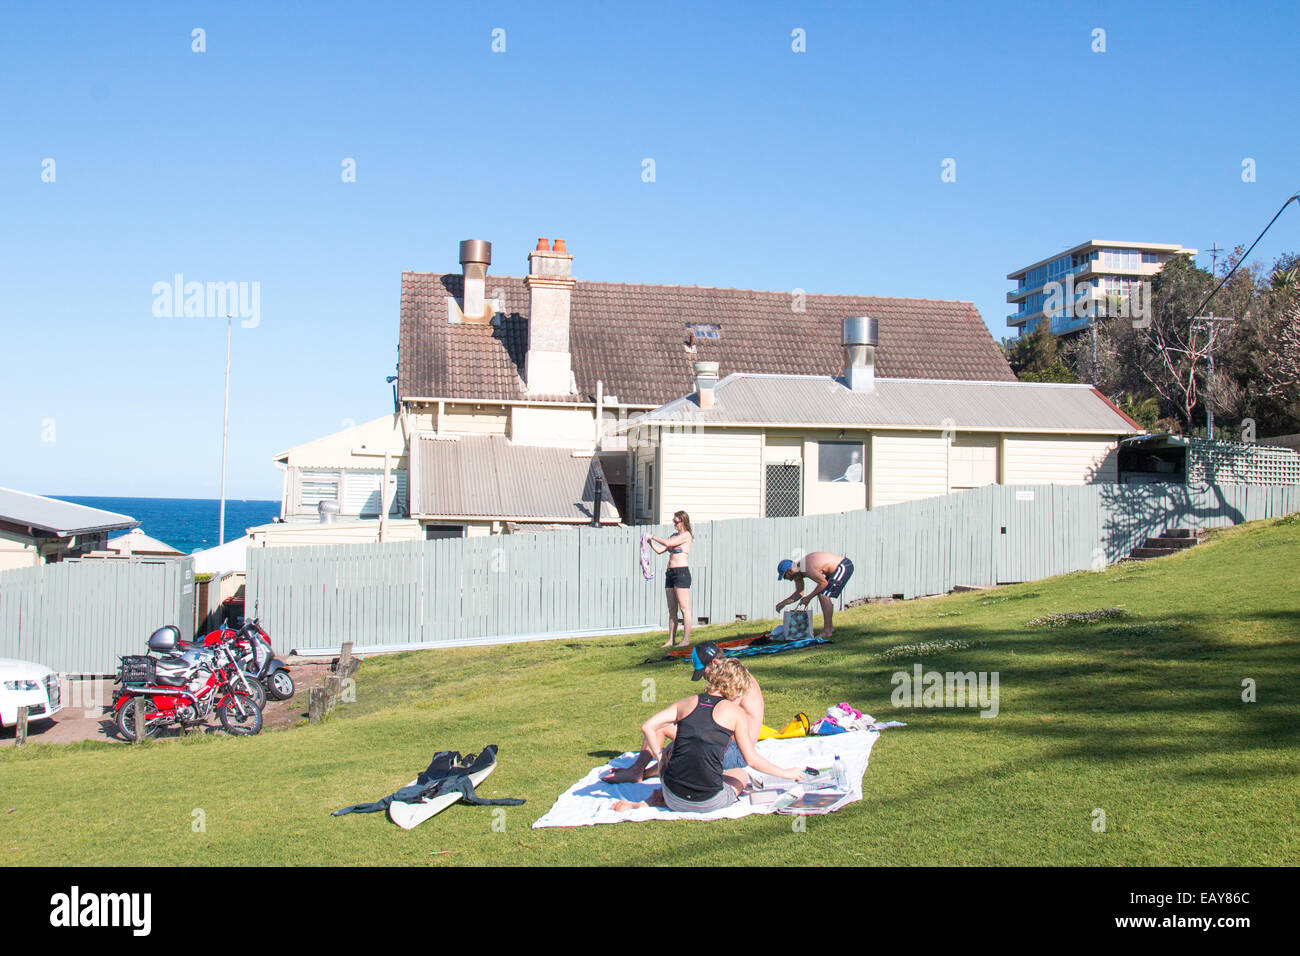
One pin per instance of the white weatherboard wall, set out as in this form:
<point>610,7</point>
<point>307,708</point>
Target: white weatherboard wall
<point>554,427</point>
<point>905,466</point>
<point>17,551</point>
<point>472,420</point>
<point>1059,460</point>
<point>711,474</point>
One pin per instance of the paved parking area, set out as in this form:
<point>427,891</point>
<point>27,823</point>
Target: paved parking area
<point>86,713</point>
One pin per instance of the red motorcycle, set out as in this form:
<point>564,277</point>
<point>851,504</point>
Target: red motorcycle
<point>252,648</point>
<point>187,698</point>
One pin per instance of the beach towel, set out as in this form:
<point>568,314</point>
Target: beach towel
<point>647,562</point>
<point>725,645</point>
<point>752,649</point>
<point>590,800</point>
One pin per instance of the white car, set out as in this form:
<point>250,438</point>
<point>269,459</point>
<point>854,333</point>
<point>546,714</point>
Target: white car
<point>22,682</point>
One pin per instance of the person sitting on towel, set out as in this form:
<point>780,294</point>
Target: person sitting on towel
<point>693,780</point>
<point>703,658</point>
<point>829,572</point>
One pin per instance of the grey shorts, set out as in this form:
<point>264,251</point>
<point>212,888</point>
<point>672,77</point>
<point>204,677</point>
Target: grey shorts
<point>720,801</point>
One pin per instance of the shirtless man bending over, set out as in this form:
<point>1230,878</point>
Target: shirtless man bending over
<point>829,572</point>
<point>702,658</point>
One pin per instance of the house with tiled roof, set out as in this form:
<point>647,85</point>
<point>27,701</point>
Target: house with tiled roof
<point>548,359</point>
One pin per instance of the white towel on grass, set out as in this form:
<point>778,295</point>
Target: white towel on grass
<point>590,800</point>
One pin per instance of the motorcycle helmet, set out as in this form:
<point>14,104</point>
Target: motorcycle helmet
<point>164,639</point>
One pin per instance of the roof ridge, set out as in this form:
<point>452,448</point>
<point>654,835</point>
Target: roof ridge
<point>922,381</point>
<point>714,288</point>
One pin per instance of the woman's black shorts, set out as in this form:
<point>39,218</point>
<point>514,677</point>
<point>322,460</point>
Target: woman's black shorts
<point>677,578</point>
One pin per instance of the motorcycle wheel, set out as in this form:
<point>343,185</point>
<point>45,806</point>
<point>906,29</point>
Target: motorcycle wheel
<point>126,719</point>
<point>257,688</point>
<point>281,686</point>
<point>247,725</point>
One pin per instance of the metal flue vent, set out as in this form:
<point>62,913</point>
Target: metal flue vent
<point>860,337</point>
<point>475,257</point>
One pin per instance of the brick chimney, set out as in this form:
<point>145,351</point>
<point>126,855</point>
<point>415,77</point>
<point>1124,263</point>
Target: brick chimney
<point>547,369</point>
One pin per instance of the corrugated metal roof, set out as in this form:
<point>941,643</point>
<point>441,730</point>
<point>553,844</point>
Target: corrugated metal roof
<point>488,477</point>
<point>743,399</point>
<point>58,517</point>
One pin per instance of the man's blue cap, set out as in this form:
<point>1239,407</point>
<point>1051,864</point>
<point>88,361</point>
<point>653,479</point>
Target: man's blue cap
<point>783,567</point>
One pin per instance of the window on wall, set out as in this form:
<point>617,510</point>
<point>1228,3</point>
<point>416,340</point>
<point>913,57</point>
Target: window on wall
<point>317,486</point>
<point>649,490</point>
<point>783,491</point>
<point>840,461</point>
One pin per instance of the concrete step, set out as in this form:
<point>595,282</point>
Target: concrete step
<point>1170,542</point>
<point>1142,554</point>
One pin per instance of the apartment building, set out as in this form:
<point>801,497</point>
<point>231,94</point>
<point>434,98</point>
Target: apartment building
<point>1098,278</point>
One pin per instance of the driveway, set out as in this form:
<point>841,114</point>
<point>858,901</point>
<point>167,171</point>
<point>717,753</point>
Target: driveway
<point>87,713</point>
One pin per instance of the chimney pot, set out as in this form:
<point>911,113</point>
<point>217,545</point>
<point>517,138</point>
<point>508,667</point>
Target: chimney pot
<point>543,245</point>
<point>559,246</point>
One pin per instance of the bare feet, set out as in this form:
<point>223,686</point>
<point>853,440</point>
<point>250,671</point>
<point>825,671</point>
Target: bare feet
<point>826,632</point>
<point>621,806</point>
<point>632,774</point>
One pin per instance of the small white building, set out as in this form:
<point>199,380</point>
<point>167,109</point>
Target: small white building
<point>781,445</point>
<point>38,530</point>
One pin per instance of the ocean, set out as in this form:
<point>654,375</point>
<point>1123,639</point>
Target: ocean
<point>187,524</point>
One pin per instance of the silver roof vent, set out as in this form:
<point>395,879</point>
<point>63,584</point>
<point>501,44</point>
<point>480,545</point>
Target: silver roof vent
<point>860,337</point>
<point>475,257</point>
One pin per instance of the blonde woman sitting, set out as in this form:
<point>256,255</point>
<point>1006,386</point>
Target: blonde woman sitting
<point>702,726</point>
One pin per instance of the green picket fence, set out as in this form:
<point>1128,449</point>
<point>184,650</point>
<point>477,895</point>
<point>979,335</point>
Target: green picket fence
<point>588,580</point>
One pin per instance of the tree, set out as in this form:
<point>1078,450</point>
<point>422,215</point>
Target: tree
<point>1171,350</point>
<point>1037,357</point>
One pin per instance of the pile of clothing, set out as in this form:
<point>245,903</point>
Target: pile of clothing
<point>840,718</point>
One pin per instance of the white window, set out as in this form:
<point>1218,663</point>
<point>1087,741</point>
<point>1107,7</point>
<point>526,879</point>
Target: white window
<point>317,486</point>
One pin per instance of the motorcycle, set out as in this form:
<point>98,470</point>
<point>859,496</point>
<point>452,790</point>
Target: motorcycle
<point>178,658</point>
<point>252,646</point>
<point>186,698</point>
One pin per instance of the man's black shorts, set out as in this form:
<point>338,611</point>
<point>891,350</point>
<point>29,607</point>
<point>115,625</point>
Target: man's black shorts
<point>835,583</point>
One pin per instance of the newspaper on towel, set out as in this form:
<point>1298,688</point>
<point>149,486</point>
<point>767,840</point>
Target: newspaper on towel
<point>590,800</point>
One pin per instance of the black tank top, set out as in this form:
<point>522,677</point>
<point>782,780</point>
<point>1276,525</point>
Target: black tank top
<point>694,770</point>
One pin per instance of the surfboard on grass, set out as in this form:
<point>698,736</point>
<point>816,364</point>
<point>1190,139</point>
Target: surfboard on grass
<point>408,816</point>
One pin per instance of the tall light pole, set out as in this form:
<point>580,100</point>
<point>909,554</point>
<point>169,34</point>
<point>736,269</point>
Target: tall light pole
<point>225,435</point>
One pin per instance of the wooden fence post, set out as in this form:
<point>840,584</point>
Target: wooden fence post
<point>20,732</point>
<point>316,705</point>
<point>138,714</point>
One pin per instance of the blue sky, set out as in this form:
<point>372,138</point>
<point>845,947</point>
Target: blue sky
<point>818,170</point>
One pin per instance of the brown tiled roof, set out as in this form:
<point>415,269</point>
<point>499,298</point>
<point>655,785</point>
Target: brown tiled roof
<point>633,338</point>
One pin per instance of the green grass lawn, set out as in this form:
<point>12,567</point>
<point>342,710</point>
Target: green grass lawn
<point>1140,716</point>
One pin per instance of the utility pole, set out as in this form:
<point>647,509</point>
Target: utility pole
<point>1214,259</point>
<point>225,435</point>
<point>1210,323</point>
